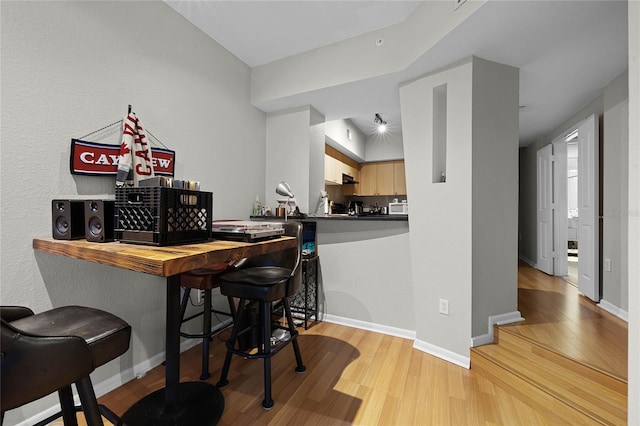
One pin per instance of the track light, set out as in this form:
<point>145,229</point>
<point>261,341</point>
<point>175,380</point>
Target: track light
<point>382,125</point>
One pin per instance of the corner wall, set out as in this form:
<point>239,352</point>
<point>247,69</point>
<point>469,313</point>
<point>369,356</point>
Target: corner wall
<point>464,234</point>
<point>495,192</point>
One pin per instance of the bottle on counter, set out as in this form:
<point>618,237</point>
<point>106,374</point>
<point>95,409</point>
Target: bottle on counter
<point>257,207</point>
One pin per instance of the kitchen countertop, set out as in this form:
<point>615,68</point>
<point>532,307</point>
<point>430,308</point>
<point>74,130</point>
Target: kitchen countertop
<point>377,217</point>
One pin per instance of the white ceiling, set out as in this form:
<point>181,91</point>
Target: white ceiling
<point>567,51</point>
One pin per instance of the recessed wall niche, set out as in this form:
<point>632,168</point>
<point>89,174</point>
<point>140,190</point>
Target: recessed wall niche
<point>439,165</point>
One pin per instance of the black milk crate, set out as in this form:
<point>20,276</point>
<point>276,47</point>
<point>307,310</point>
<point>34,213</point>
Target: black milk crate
<point>162,216</point>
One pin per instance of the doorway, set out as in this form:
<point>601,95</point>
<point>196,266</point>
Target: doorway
<point>563,226</point>
<point>573,209</point>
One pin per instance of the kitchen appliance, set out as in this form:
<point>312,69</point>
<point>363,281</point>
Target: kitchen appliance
<point>338,208</point>
<point>398,208</point>
<point>348,180</point>
<point>355,207</point>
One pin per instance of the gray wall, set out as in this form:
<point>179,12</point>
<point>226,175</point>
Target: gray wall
<point>495,192</point>
<point>69,68</point>
<point>615,283</point>
<point>634,212</point>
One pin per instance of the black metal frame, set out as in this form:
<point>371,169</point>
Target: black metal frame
<point>206,325</point>
<point>306,300</point>
<point>265,349</point>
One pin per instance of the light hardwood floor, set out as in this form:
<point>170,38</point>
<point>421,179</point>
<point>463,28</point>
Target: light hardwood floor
<point>558,316</point>
<point>360,377</point>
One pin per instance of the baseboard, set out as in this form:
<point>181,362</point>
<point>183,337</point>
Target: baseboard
<point>501,319</point>
<point>442,353</point>
<point>528,261</point>
<point>436,351</point>
<point>369,326</point>
<point>613,309</point>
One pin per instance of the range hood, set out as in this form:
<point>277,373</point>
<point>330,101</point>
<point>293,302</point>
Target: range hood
<point>348,180</point>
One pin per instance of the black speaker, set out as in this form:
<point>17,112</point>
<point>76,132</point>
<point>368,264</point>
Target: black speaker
<point>67,219</point>
<point>98,219</point>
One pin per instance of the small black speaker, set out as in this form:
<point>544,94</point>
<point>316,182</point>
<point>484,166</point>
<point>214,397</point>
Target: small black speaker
<point>67,219</point>
<point>98,219</point>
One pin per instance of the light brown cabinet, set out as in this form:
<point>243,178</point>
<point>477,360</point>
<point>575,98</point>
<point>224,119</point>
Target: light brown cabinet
<point>367,184</point>
<point>335,165</point>
<point>383,178</point>
<point>399,179</point>
<point>332,170</point>
<point>379,178</point>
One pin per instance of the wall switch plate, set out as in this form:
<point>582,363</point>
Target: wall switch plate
<point>607,265</point>
<point>444,306</point>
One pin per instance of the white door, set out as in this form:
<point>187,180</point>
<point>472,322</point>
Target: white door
<point>560,219</point>
<point>545,209</point>
<point>588,208</point>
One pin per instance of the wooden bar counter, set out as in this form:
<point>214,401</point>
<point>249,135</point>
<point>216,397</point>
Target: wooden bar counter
<point>177,404</point>
<point>162,261</point>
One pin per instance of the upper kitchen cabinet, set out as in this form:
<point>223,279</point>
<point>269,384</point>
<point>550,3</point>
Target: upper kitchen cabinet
<point>399,179</point>
<point>382,178</point>
<point>336,165</point>
<point>332,170</point>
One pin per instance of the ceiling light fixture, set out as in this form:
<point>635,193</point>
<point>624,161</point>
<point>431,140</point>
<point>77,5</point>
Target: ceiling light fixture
<point>382,125</point>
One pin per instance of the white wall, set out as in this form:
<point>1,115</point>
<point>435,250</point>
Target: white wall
<point>366,274</point>
<point>290,153</point>
<point>615,184</point>
<point>441,219</point>
<point>316,160</point>
<point>464,236</point>
<point>336,132</point>
<point>634,214</point>
<point>69,68</point>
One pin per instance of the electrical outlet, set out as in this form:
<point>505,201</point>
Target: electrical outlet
<point>444,306</point>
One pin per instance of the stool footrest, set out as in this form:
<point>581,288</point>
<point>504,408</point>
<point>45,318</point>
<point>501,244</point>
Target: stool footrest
<point>261,355</point>
<point>220,328</point>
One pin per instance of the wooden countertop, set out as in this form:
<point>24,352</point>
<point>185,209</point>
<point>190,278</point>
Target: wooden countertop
<point>162,261</point>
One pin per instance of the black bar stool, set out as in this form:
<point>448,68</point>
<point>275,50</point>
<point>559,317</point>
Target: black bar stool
<point>47,352</point>
<point>205,279</point>
<point>265,279</point>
